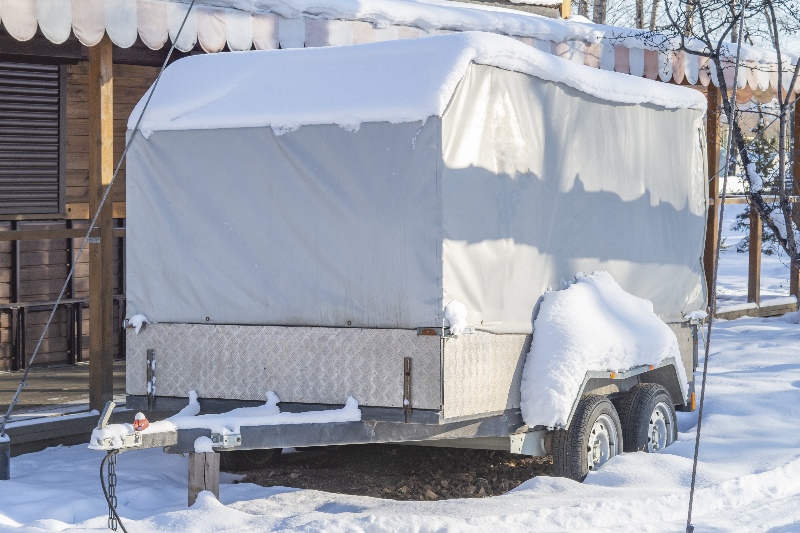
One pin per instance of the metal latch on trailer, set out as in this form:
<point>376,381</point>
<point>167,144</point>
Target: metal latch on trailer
<point>443,331</point>
<point>226,442</point>
<point>128,441</point>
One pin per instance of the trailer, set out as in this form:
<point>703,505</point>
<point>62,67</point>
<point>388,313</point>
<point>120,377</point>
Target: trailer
<point>299,222</point>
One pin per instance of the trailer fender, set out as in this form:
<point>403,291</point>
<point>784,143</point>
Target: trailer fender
<point>606,383</point>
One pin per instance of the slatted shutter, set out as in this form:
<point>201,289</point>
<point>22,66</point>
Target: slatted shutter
<point>31,131</point>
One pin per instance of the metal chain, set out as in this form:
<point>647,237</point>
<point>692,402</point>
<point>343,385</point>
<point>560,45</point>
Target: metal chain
<point>112,491</point>
<point>713,295</point>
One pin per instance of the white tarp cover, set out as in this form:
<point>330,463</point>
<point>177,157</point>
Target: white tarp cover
<point>520,183</point>
<point>575,184</point>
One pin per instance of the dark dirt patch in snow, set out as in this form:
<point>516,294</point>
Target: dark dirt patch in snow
<point>402,472</point>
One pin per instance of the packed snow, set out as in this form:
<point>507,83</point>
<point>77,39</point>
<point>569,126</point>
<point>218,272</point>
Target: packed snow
<point>593,324</point>
<point>137,321</point>
<point>732,277</point>
<point>203,445</point>
<point>456,314</point>
<point>696,316</point>
<point>792,318</point>
<point>736,307</point>
<point>268,414</point>
<point>394,81</point>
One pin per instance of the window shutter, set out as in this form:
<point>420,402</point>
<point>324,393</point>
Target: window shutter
<point>30,120</point>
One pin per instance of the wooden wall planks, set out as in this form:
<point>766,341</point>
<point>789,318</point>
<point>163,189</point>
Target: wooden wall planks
<point>43,264</point>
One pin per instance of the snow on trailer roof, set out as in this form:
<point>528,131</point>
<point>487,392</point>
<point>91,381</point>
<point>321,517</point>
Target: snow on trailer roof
<point>394,81</point>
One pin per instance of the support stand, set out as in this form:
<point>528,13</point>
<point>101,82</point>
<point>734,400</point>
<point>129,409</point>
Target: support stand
<point>203,475</point>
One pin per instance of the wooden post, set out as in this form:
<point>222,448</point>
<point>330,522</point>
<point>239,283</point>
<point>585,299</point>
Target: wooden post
<point>5,459</point>
<point>203,474</point>
<point>712,148</point>
<point>794,274</point>
<point>754,269</point>
<point>566,9</point>
<point>101,266</point>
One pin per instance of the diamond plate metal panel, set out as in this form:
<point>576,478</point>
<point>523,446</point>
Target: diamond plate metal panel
<point>483,372</point>
<point>305,365</point>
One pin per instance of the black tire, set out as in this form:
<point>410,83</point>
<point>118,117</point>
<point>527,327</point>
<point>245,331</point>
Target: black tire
<point>571,446</point>
<point>648,418</point>
<point>242,460</point>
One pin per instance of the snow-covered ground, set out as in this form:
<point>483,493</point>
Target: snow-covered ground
<point>732,277</point>
<point>748,477</point>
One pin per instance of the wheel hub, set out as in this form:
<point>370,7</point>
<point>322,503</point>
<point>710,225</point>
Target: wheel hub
<point>602,441</point>
<point>659,431</point>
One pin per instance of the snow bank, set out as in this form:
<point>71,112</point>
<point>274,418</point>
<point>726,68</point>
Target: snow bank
<point>394,81</point>
<point>591,325</point>
<point>268,414</point>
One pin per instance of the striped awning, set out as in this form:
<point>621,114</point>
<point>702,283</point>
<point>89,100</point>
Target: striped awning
<point>269,24</point>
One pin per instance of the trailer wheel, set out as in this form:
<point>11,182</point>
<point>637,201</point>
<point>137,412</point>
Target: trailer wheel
<point>241,460</point>
<point>648,418</point>
<point>594,436</point>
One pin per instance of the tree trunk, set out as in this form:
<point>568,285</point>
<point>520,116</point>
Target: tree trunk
<point>583,8</point>
<point>653,15</point>
<point>640,14</point>
<point>599,12</point>
<point>688,23</point>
